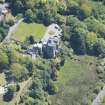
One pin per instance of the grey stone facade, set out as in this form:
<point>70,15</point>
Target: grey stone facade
<point>51,47</point>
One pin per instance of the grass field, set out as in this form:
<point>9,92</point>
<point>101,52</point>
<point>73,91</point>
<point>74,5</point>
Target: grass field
<point>75,81</point>
<point>24,30</point>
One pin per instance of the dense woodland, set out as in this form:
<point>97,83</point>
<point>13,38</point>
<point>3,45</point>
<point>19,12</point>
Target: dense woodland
<point>81,20</point>
<point>83,25</point>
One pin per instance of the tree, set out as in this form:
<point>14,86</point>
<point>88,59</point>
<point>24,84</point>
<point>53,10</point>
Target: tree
<point>99,86</point>
<point>99,47</point>
<point>45,80</point>
<point>95,26</point>
<point>10,22</point>
<point>77,41</point>
<point>62,8</point>
<point>98,10</point>
<point>37,91</point>
<point>62,62</point>
<point>66,33</point>
<point>77,32</point>
<point>8,96</point>
<point>29,15</point>
<point>60,19</point>
<point>4,27</point>
<point>52,88</point>
<point>4,61</point>
<point>17,6</point>
<point>13,56</point>
<point>31,39</point>
<point>18,71</point>
<point>28,100</point>
<point>91,39</point>
<point>72,7</point>
<point>14,88</point>
<point>53,72</point>
<point>29,4</point>
<point>85,9</point>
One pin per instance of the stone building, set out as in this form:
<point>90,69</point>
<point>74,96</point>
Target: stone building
<point>51,41</point>
<point>48,47</point>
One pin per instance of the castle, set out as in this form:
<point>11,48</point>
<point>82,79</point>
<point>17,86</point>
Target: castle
<point>48,47</point>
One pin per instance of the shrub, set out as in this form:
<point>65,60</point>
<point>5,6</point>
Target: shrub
<point>52,88</point>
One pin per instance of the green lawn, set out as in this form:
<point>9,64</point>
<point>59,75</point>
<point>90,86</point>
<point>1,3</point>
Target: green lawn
<point>24,30</point>
<point>76,79</point>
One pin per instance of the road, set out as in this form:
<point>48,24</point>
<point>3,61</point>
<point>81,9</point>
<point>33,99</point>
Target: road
<point>12,29</point>
<point>99,97</point>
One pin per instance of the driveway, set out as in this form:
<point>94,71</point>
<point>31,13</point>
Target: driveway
<point>52,30</point>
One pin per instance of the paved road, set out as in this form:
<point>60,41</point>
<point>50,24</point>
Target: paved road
<point>98,100</point>
<point>12,29</point>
